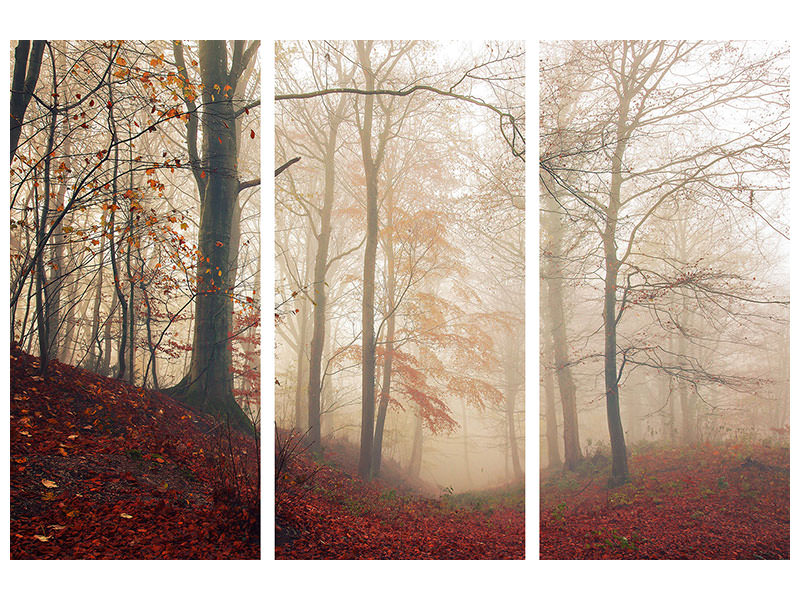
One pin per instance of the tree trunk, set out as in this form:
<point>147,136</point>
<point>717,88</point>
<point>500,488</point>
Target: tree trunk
<point>688,429</point>
<point>42,293</point>
<point>551,422</point>
<point>512,385</point>
<point>95,355</point>
<point>150,345</point>
<point>415,463</point>
<point>619,457</point>
<point>370,253</point>
<point>383,407</point>
<point>105,369</point>
<point>209,384</point>
<point>556,323</point>
<point>111,240</point>
<point>465,429</point>
<point>27,64</point>
<point>301,388</point>
<point>321,294</point>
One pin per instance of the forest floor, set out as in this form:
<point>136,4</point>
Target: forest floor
<point>102,469</point>
<point>726,501</point>
<point>325,511</point>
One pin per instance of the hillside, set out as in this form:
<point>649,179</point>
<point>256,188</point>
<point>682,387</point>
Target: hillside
<point>324,510</point>
<point>102,469</point>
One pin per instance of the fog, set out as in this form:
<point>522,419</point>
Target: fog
<point>664,247</point>
<point>399,253</point>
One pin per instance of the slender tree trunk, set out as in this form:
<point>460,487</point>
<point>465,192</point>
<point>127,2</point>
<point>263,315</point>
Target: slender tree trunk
<point>415,463</point>
<point>688,429</point>
<point>106,362</point>
<point>23,329</point>
<point>370,253</point>
<point>512,385</point>
<point>465,430</point>
<point>96,355</point>
<point>556,323</point>
<point>41,275</point>
<point>619,456</point>
<point>56,316</point>
<point>121,365</point>
<point>41,319</point>
<point>320,292</point>
<point>301,389</point>
<point>131,286</point>
<point>551,421</point>
<point>150,344</point>
<point>383,406</point>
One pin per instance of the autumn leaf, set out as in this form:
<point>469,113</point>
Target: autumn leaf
<point>43,538</point>
<point>126,516</point>
<point>49,484</point>
<point>252,134</point>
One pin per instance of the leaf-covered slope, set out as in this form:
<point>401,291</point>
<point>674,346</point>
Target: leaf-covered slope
<point>324,512</point>
<point>102,469</point>
<point>706,502</point>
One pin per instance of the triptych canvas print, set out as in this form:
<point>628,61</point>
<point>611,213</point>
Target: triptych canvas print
<point>419,347</point>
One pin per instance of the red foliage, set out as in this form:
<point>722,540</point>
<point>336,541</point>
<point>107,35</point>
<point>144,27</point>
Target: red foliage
<point>102,469</point>
<point>324,512</point>
<point>707,502</point>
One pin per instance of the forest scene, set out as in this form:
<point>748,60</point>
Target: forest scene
<point>135,321</point>
<point>664,300</point>
<point>399,307</point>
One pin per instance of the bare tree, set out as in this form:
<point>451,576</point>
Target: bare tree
<point>663,122</point>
